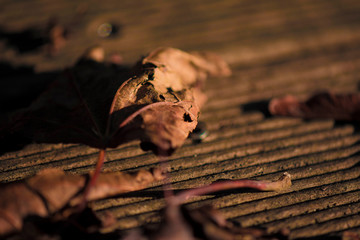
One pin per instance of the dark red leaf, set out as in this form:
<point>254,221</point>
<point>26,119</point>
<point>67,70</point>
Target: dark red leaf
<point>322,105</point>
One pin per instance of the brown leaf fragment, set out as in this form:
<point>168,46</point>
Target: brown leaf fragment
<point>345,107</point>
<point>14,206</point>
<point>163,126</point>
<point>55,187</point>
<point>51,190</point>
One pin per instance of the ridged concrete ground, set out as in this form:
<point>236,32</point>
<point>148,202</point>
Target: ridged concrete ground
<point>274,48</point>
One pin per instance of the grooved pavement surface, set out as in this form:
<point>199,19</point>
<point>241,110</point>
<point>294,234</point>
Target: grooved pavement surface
<point>274,48</point>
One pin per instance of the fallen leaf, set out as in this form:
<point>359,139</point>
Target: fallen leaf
<point>168,84</point>
<point>344,107</point>
<point>92,105</point>
<point>51,190</point>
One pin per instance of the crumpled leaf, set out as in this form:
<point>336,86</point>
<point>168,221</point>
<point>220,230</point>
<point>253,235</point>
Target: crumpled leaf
<point>93,105</point>
<point>168,79</point>
<point>52,189</point>
<point>344,107</point>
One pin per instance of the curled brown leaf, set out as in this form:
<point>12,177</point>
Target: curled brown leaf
<point>51,190</point>
<point>168,86</point>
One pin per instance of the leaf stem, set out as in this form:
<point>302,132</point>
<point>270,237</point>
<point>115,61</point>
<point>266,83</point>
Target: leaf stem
<point>93,178</point>
<point>282,183</point>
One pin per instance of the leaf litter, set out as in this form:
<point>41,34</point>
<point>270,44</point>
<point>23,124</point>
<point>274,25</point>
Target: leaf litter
<point>44,207</point>
<point>159,104</point>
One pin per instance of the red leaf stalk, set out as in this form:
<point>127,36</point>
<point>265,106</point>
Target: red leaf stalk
<point>284,182</point>
<point>94,176</point>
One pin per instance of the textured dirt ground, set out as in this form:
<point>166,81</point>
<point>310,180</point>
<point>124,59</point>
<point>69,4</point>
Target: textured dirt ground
<point>274,48</point>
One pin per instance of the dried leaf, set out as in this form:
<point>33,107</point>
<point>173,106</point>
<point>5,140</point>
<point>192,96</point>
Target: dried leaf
<point>169,81</point>
<point>51,190</point>
<point>322,105</point>
<point>92,104</point>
